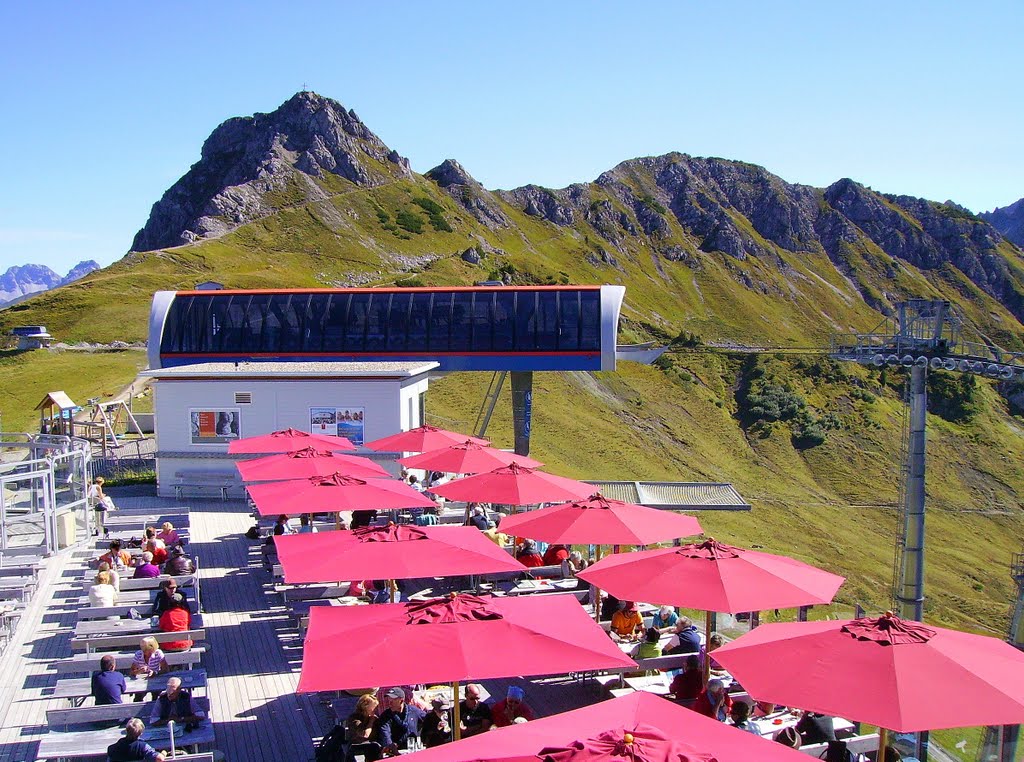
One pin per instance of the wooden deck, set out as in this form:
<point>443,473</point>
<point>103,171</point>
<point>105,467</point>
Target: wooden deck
<point>254,650</point>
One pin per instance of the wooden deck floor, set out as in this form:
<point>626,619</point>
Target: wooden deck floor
<point>253,662</point>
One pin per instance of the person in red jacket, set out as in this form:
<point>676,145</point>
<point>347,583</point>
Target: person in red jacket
<point>177,618</point>
<point>528,555</point>
<point>713,701</point>
<point>555,554</point>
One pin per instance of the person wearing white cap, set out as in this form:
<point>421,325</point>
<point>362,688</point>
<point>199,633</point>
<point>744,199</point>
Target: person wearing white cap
<point>398,723</point>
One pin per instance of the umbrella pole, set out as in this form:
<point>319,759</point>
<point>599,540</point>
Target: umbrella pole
<point>392,589</point>
<point>707,642</point>
<point>456,731</point>
<point>337,520</point>
<point>883,741</point>
<point>596,596</point>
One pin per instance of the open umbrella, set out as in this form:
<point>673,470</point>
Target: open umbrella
<point>392,552</point>
<point>308,462</point>
<point>466,457</point>
<point>898,675</point>
<point>337,492</point>
<point>713,576</point>
<point>464,637</point>
<point>287,440</point>
<point>600,521</point>
<point>514,485</point>
<point>421,439</point>
<point>641,714</point>
<point>641,744</point>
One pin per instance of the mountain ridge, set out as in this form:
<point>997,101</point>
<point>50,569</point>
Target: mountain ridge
<point>21,281</point>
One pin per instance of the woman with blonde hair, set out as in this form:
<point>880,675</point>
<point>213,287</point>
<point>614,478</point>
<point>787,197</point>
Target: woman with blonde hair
<point>102,594</point>
<point>148,662</point>
<point>115,578</point>
<point>359,729</point>
<point>168,535</point>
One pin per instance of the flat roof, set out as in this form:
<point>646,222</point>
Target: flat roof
<point>214,370</point>
<point>676,496</point>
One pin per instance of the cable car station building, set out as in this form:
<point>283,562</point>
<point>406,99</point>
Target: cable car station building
<point>354,362</point>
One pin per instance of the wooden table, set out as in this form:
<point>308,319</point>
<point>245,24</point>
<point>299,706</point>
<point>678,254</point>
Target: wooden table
<point>87,628</point>
<point>772,723</point>
<point>93,744</point>
<point>79,688</point>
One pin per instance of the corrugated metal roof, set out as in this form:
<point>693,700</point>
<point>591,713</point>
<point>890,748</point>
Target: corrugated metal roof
<point>679,496</point>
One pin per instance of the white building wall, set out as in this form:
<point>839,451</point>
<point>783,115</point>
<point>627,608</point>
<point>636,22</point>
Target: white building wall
<point>389,405</point>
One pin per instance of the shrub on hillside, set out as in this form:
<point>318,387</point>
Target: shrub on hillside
<point>953,397</point>
<point>409,221</point>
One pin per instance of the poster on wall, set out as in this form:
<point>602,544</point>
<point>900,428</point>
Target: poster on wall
<point>338,421</point>
<point>215,426</point>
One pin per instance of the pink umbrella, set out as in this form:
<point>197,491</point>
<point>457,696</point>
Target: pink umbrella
<point>308,462</point>
<point>895,674</point>
<point>640,714</point>
<point>392,552</point>
<point>600,521</point>
<point>465,458</point>
<point>421,439</point>
<point>641,744</point>
<point>287,440</point>
<point>514,485</point>
<point>330,494</point>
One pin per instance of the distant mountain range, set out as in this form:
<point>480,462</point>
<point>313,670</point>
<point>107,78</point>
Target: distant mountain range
<point>24,280</point>
<point>1008,220</point>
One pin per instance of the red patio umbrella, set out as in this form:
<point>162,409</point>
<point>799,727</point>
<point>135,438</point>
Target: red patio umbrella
<point>466,458</point>
<point>421,439</point>
<point>308,462</point>
<point>898,675</point>
<point>392,552</point>
<point>330,494</point>
<point>287,440</point>
<point>713,577</point>
<point>464,637</point>
<point>600,521</point>
<point>514,485</point>
<point>641,714</point>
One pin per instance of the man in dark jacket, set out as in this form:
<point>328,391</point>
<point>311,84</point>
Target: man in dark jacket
<point>398,723</point>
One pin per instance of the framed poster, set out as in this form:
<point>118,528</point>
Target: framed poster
<point>338,421</point>
<point>218,426</point>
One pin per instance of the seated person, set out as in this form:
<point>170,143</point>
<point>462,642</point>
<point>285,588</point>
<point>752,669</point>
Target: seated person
<point>149,659</point>
<point>362,519</point>
<point>665,620</point>
<point>688,684</point>
<point>650,647</point>
<point>555,554</point>
<point>281,526</point>
<point>178,564</point>
<point>609,605</point>
<point>627,624</point>
<point>108,685</point>
<point>168,589</point>
<point>115,578</point>
<point>478,517</point>
<point>102,594</point>
<point>151,536</point>
<point>437,727</point>
<point>740,716</point>
<point>146,568</point>
<point>398,723</point>
<point>474,714</point>
<point>576,563</point>
<point>168,534</point>
<point>686,639</point>
<point>176,703</point>
<point>713,701</point>
<point>159,554</point>
<point>528,555</point>
<point>132,747</point>
<point>715,642</point>
<point>177,618</point>
<point>814,727</point>
<point>511,709</point>
<point>118,559</point>
<point>359,729</point>
<point>305,527</point>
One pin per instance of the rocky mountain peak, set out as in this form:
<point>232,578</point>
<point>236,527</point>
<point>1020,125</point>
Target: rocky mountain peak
<point>251,166</point>
<point>1008,220</point>
<point>452,177</point>
<point>21,281</point>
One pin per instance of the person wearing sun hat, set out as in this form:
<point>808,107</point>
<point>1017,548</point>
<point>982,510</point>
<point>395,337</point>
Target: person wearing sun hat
<point>437,727</point>
<point>511,708</point>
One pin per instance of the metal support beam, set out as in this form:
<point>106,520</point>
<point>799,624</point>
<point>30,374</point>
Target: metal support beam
<point>910,586</point>
<point>522,409</point>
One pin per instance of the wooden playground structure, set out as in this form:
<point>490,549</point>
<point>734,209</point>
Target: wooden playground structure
<point>106,424</point>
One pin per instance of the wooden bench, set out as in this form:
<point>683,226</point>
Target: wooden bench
<point>865,744</point>
<point>90,661</point>
<point>20,586</point>
<point>202,481</point>
<point>81,715</point>
<point>92,744</point>
<point>114,642</point>
<point>77,689</point>
<point>144,583</point>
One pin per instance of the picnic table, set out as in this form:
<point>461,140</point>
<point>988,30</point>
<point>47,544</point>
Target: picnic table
<point>772,723</point>
<point>76,689</point>
<point>92,744</point>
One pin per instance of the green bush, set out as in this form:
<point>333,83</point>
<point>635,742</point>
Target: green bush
<point>435,212</point>
<point>409,221</point>
<point>953,397</point>
<point>652,203</point>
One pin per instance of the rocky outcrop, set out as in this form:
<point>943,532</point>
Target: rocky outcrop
<point>1008,220</point>
<point>252,166</point>
<point>23,280</point>
<point>469,194</point>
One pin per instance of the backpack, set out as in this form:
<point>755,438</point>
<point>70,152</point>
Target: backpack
<point>253,533</point>
<point>332,747</point>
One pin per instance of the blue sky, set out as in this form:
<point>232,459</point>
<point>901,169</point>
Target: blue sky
<point>106,104</point>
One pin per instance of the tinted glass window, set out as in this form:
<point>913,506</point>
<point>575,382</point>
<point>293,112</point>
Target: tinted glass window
<point>216,320</point>
<point>292,313</point>
<point>569,320</point>
<point>234,323</point>
<point>462,321</point>
<point>418,318</point>
<point>398,322</point>
<point>526,321</point>
<point>355,324</point>
<point>255,317</point>
<point>316,315</point>
<point>482,322</point>
<point>504,320</point>
<point>171,339</point>
<point>377,322</point>
<point>590,318</point>
<point>439,328</point>
<point>547,320</point>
